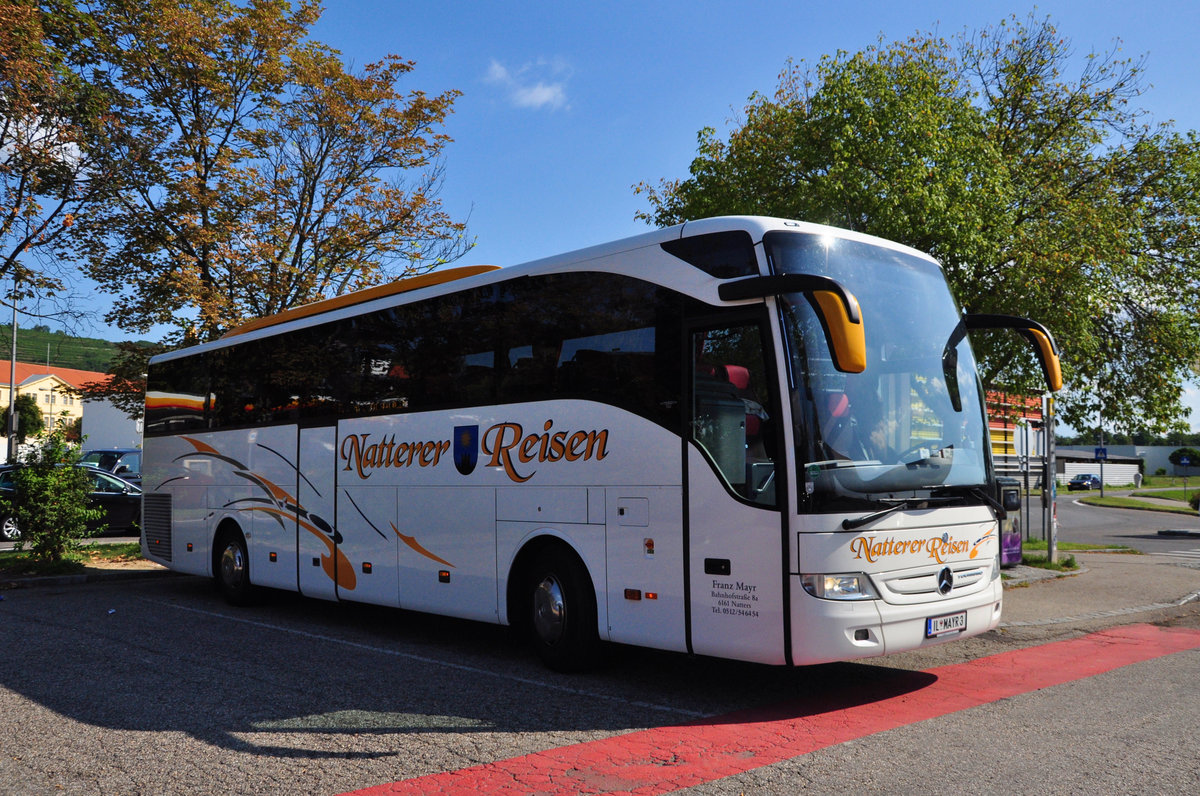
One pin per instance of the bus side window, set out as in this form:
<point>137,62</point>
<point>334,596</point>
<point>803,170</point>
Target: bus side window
<point>730,419</point>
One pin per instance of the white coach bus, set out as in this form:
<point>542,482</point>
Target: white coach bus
<point>749,438</point>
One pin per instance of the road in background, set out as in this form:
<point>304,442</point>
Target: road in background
<point>1085,524</point>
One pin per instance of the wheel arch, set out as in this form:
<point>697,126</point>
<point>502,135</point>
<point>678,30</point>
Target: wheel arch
<point>519,572</point>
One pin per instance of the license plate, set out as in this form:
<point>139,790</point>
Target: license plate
<point>950,623</point>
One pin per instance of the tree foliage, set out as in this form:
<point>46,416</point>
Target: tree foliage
<point>125,388</point>
<point>1177,456</point>
<point>1042,194</point>
<point>256,172</point>
<point>55,119</point>
<point>30,422</point>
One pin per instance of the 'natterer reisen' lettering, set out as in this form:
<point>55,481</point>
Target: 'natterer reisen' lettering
<point>508,444</point>
<point>509,447</point>
<point>363,457</point>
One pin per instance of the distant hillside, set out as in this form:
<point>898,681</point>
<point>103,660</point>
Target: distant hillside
<point>37,343</point>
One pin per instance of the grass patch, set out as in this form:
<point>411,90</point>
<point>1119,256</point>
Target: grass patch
<point>1168,494</point>
<point>1152,481</point>
<point>1134,503</point>
<point>14,563</point>
<point>113,551</point>
<point>1034,554</point>
<point>1041,544</point>
<point>1068,564</point>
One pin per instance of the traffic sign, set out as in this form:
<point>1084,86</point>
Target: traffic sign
<point>1101,454</point>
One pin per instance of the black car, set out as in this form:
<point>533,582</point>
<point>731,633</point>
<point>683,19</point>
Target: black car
<point>1084,481</point>
<point>120,500</point>
<point>125,463</point>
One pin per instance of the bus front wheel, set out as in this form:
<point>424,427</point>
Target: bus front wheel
<point>233,569</point>
<point>562,612</point>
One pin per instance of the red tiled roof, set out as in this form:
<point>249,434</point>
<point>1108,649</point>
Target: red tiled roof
<point>25,371</point>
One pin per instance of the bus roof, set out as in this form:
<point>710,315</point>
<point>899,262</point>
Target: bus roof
<point>756,226</point>
<point>362,296</point>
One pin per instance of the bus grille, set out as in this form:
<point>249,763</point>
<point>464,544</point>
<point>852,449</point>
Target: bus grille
<point>156,524</point>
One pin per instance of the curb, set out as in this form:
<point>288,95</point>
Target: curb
<point>1140,609</point>
<point>1021,575</point>
<point>93,576</point>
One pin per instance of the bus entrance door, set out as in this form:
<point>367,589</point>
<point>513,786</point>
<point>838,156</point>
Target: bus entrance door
<point>735,549</point>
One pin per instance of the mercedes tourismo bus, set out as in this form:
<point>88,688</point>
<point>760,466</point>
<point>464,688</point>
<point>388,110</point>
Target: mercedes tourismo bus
<point>750,438</point>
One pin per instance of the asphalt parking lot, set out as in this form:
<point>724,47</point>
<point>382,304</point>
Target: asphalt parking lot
<point>138,686</point>
<point>157,686</point>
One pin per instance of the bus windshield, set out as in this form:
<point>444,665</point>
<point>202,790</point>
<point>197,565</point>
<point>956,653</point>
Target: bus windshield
<point>911,426</point>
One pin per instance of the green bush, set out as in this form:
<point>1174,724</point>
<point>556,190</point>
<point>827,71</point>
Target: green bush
<point>1195,501</point>
<point>1177,455</point>
<point>49,503</point>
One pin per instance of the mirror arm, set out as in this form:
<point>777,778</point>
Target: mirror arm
<point>1037,335</point>
<point>778,284</point>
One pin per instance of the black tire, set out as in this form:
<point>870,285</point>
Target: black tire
<point>9,532</point>
<point>232,569</point>
<point>560,607</point>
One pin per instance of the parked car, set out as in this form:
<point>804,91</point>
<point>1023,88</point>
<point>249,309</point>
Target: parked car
<point>120,500</point>
<point>126,463</point>
<point>1084,481</point>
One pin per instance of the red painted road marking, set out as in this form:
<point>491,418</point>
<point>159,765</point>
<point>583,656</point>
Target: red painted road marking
<point>665,759</point>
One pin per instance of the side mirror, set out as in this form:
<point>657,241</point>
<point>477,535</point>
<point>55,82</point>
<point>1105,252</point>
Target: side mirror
<point>838,309</point>
<point>1011,500</point>
<point>1038,335</point>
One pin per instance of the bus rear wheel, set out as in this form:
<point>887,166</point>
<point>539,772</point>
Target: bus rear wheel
<point>233,569</point>
<point>562,612</point>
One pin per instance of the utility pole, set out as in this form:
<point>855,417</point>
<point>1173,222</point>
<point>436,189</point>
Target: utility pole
<point>12,384</point>
<point>1049,482</point>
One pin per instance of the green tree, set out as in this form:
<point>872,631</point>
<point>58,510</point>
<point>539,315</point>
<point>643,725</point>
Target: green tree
<point>257,173</point>
<point>55,120</point>
<point>1041,194</point>
<point>126,386</point>
<point>1192,455</point>
<point>49,503</point>
<point>29,417</point>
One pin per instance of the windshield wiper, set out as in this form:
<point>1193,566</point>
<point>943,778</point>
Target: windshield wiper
<point>906,503</point>
<point>858,522</point>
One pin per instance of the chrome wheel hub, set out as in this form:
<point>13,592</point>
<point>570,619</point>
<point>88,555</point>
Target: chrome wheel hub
<point>233,565</point>
<point>549,610</point>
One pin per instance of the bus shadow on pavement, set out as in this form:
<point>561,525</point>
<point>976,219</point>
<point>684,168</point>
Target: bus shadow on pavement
<point>300,678</point>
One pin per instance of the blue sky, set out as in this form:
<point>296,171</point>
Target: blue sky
<point>566,106</point>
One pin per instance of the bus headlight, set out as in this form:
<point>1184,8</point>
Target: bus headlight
<point>840,586</point>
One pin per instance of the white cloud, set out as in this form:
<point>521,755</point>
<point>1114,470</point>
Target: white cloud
<point>535,85</point>
<point>540,96</point>
<point>497,73</point>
